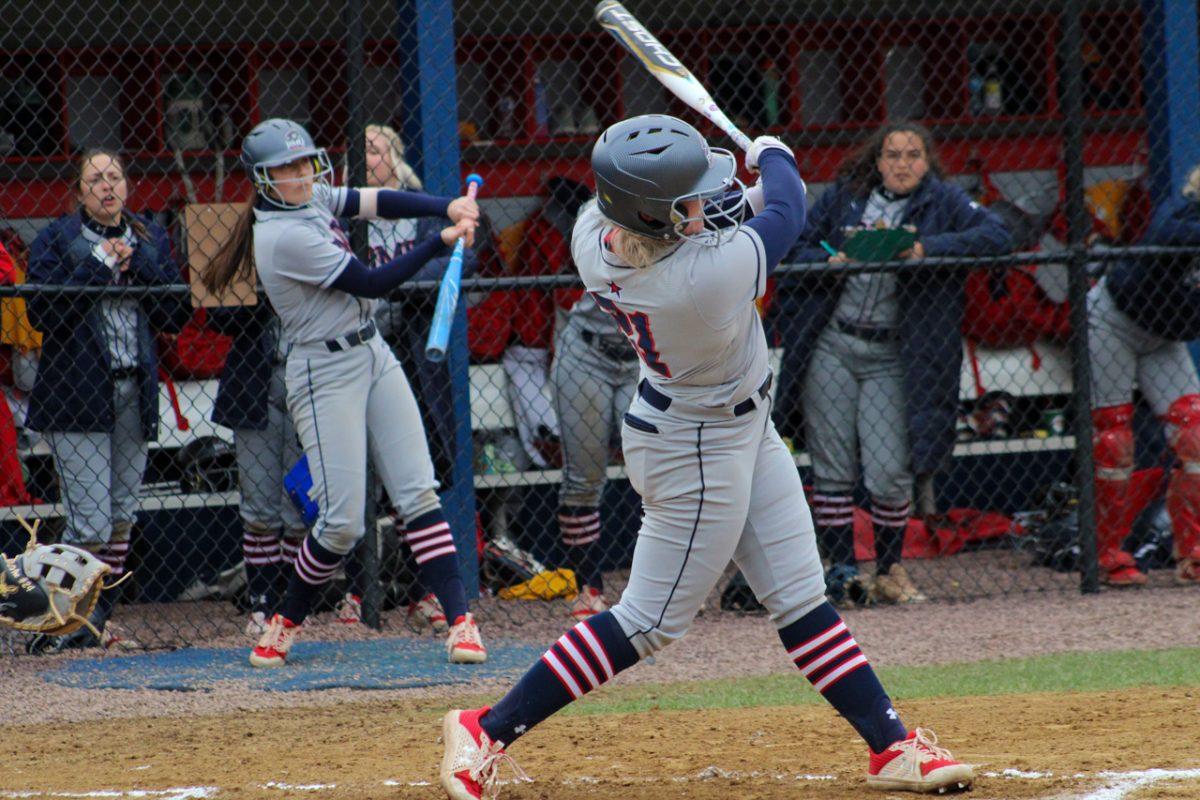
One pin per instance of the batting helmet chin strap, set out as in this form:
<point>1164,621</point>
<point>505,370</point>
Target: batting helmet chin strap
<point>1183,492</point>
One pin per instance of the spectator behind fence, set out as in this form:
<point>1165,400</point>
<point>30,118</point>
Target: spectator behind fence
<point>96,393</point>
<point>12,479</point>
<point>872,360</point>
<point>1140,317</point>
<point>252,401</point>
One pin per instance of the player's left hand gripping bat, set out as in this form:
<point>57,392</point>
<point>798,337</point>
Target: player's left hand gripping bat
<point>447,300</point>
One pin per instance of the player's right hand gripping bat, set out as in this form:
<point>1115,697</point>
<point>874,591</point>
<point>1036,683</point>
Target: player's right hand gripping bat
<point>655,57</point>
<point>447,300</point>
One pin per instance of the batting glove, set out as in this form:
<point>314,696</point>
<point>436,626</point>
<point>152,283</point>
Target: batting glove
<point>761,144</point>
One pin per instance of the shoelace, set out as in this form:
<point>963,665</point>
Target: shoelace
<point>924,743</point>
<point>467,633</point>
<point>486,769</point>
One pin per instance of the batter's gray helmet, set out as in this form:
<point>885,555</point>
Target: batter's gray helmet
<point>645,165</point>
<point>277,142</point>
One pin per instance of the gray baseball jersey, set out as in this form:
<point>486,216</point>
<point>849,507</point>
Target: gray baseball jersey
<point>717,482</point>
<point>691,315</point>
<point>299,254</point>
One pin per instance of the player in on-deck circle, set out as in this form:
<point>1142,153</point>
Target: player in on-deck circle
<point>680,275</point>
<point>346,393</point>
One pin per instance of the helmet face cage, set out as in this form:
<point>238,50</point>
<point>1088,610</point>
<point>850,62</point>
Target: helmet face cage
<point>267,186</point>
<point>721,223</point>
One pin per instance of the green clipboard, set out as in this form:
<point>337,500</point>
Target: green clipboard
<point>878,244</point>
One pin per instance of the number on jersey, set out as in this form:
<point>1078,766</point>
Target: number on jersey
<point>636,327</point>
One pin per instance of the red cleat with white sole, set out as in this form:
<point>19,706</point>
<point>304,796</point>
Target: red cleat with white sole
<point>272,649</point>
<point>471,762</point>
<point>428,611</point>
<point>917,764</point>
<point>464,644</point>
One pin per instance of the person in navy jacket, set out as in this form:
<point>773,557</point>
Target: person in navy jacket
<point>1140,316</point>
<point>872,359</point>
<point>96,393</point>
<point>252,401</point>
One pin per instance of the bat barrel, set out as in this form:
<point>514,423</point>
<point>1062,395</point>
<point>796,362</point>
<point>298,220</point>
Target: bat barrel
<point>443,316</point>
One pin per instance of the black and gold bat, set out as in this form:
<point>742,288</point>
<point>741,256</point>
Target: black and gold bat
<point>664,66</point>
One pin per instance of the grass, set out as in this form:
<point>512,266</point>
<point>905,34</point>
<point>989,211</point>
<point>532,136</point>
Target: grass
<point>1064,672</point>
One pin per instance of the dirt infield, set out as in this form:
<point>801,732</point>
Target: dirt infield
<point>1052,746</point>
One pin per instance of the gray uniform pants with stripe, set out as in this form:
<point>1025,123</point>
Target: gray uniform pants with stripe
<point>100,473</point>
<point>346,406</point>
<point>1122,353</point>
<point>591,392</point>
<point>714,488</point>
<point>854,407</point>
<point>263,458</point>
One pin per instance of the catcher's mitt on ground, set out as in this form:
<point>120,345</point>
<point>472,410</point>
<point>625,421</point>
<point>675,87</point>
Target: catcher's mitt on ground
<point>50,588</point>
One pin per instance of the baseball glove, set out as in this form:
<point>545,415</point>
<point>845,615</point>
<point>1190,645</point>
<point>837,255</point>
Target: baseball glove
<point>50,588</point>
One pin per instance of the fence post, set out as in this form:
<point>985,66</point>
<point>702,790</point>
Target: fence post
<point>1071,57</point>
<point>429,101</point>
<point>1172,92</point>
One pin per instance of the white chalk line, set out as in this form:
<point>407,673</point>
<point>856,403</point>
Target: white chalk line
<point>1119,784</point>
<point>1123,783</point>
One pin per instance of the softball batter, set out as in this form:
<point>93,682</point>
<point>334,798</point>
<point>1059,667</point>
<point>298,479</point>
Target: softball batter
<point>346,392</point>
<point>716,480</point>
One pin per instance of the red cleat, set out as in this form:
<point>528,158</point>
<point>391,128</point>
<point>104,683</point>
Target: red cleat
<point>917,764</point>
<point>272,649</point>
<point>471,762</point>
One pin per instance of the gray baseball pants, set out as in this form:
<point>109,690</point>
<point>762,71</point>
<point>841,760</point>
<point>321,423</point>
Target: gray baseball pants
<point>714,488</point>
<point>263,458</point>
<point>348,405</point>
<point>591,392</point>
<point>100,473</point>
<point>1122,352</point>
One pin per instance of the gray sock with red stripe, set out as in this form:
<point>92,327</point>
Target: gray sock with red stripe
<point>432,545</point>
<point>584,658</point>
<point>826,653</point>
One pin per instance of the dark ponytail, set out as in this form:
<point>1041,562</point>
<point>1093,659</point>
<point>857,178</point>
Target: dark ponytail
<point>235,260</point>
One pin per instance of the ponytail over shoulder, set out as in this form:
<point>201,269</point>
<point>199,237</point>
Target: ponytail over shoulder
<point>235,260</point>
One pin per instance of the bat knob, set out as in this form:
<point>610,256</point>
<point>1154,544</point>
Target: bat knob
<point>475,178</point>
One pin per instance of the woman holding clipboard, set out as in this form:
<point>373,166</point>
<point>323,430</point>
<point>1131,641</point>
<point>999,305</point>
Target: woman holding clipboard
<point>882,349</point>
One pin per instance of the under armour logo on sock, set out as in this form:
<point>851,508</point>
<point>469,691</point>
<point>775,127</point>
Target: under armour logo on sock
<point>520,730</point>
<point>891,712</point>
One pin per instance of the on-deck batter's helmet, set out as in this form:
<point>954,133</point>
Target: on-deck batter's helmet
<point>645,166</point>
<point>277,142</point>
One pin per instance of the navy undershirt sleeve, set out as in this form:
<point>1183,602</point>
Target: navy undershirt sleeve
<point>395,204</point>
<point>781,221</point>
<point>361,281</point>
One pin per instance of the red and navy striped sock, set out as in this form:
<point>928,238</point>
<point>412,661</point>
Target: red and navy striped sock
<point>432,546</point>
<point>315,565</point>
<point>262,557</point>
<point>827,654</point>
<point>833,516</point>
<point>584,658</point>
<point>580,527</point>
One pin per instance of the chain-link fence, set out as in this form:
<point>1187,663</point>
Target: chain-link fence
<point>932,386</point>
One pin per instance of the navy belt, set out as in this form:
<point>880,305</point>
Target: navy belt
<point>364,334</point>
<point>660,401</point>
<point>866,333</point>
